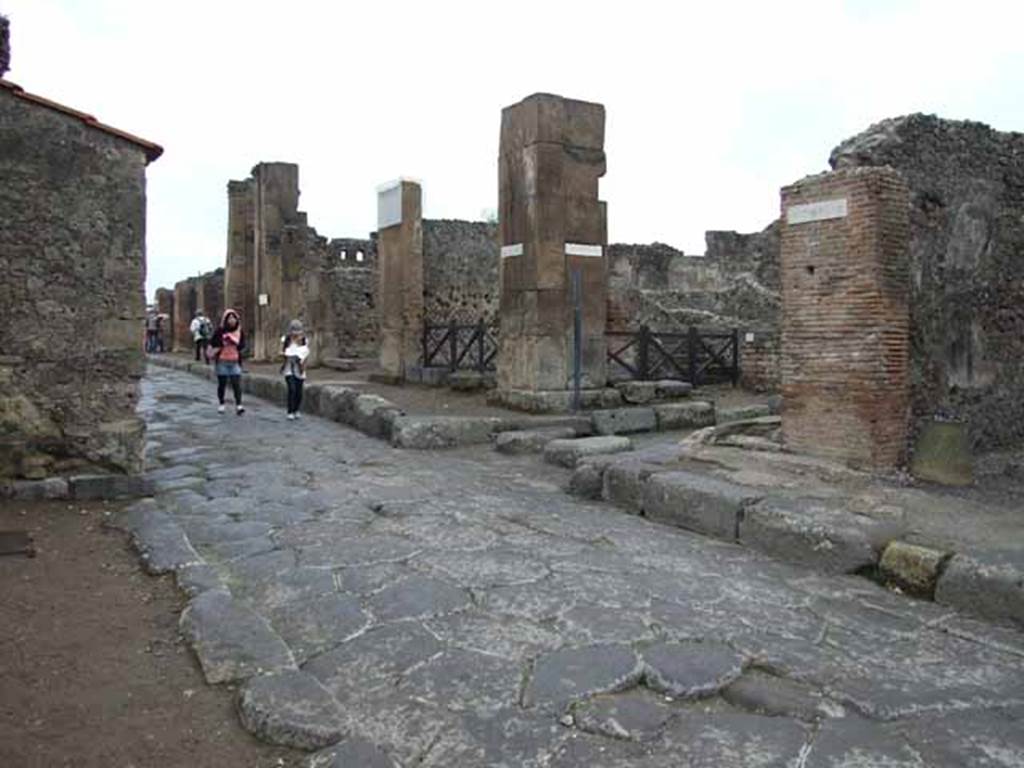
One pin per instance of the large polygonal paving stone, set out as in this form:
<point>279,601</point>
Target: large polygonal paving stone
<point>358,550</point>
<point>725,740</point>
<point>511,637</point>
<point>374,658</point>
<point>983,738</point>
<point>564,676</point>
<point>461,680</point>
<point>417,597</point>
<point>317,625</point>
<point>636,714</point>
<point>506,738</point>
<point>231,641</point>
<point>690,670</point>
<point>290,708</point>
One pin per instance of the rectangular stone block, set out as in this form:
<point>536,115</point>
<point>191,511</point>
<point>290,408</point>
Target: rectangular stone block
<point>693,415</point>
<point>623,421</point>
<point>568,453</point>
<point>697,502</point>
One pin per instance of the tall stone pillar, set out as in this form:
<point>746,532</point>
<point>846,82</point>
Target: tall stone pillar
<point>275,208</point>
<point>239,278</point>
<point>845,316</point>
<point>400,276</point>
<point>552,226</point>
<point>184,311</point>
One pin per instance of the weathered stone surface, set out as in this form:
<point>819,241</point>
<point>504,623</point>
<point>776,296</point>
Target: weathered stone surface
<point>162,544</point>
<point>987,738</point>
<point>643,392</point>
<point>459,679</point>
<point>736,741</point>
<point>766,694</point>
<point>697,502</point>
<point>290,708</point>
<point>530,440</point>
<point>814,534</point>
<point>621,421</point>
<point>374,415</point>
<point>554,401</point>
<point>638,715</point>
<point>32,490</point>
<point>195,578</point>
<point>690,670</point>
<point>624,483</point>
<point>416,598</point>
<point>231,641</point>
<point>692,415</point>
<point>313,625</point>
<point>424,432</point>
<point>912,567</point>
<point>848,742</point>
<point>587,480</point>
<point>354,752</point>
<point>742,413</point>
<point>942,454</point>
<point>989,585</point>
<point>568,453</point>
<point>564,676</point>
<point>92,487</point>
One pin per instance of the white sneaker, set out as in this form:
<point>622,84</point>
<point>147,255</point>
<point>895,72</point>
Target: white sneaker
<point>220,409</point>
<point>297,415</point>
<point>291,417</point>
<point>239,409</point>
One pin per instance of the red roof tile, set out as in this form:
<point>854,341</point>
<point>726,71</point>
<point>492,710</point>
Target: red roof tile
<point>153,151</point>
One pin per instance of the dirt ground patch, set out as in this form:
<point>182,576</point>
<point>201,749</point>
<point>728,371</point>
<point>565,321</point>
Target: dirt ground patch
<point>92,672</point>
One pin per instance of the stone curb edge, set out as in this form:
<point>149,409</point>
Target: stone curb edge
<point>986,584</point>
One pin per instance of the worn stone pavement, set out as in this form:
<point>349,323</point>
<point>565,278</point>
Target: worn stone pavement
<point>456,608</point>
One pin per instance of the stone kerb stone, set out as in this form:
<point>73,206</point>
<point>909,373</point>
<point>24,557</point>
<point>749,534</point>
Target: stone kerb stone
<point>568,453</point>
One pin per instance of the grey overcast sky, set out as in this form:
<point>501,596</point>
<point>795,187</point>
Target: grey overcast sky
<point>711,106</point>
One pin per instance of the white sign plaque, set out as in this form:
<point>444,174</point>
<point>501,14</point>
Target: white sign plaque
<point>581,249</point>
<point>820,211</point>
<point>748,337</point>
<point>516,249</point>
<point>264,299</point>
<point>389,205</point>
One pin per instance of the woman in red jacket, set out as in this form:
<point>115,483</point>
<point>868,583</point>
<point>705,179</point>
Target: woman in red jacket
<point>229,342</point>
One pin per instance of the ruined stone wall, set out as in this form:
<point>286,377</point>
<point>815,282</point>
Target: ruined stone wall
<point>348,321</point>
<point>735,284</point>
<point>72,256</point>
<point>967,266</point>
<point>239,271</point>
<point>460,270</point>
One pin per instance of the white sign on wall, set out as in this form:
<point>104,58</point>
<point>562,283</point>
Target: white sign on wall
<point>820,211</point>
<point>264,299</point>
<point>516,249</point>
<point>389,205</point>
<point>581,249</point>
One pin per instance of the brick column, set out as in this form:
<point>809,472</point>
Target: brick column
<point>400,276</point>
<point>551,224</point>
<point>845,317</point>
<point>239,278</point>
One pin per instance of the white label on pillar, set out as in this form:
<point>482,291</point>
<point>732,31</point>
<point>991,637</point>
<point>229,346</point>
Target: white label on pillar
<point>264,299</point>
<point>516,249</point>
<point>826,209</point>
<point>389,205</point>
<point>749,338</point>
<point>580,249</point>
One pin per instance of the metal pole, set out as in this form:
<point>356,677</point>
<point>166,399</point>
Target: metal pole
<point>577,335</point>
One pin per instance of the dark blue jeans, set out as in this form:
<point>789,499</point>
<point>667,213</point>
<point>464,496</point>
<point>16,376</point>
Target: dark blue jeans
<point>294,393</point>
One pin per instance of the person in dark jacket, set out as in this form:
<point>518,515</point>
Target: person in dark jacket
<point>229,343</point>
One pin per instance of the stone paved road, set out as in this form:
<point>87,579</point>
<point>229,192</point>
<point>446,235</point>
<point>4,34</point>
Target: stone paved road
<point>457,609</point>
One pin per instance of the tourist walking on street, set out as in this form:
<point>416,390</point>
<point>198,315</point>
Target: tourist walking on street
<point>201,330</point>
<point>152,321</point>
<point>229,344</point>
<point>295,350</point>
